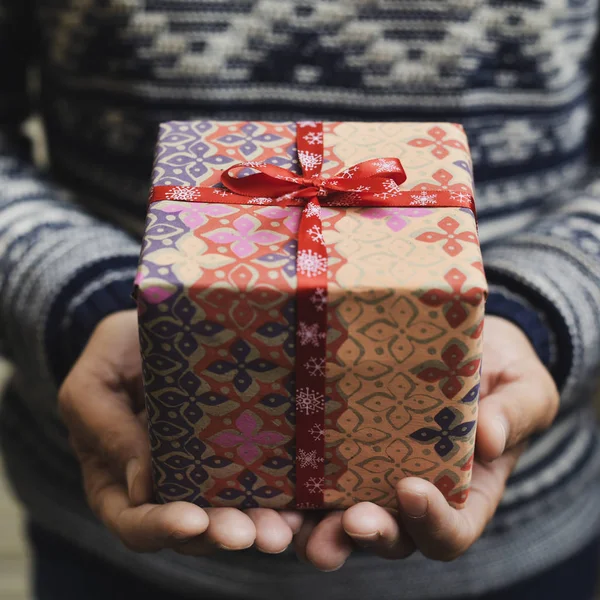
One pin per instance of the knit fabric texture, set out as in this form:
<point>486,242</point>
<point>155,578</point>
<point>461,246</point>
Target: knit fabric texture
<point>515,74</point>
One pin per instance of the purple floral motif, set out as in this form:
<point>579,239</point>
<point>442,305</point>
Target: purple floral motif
<point>248,139</point>
<point>464,165</point>
<point>448,430</point>
<point>393,215</point>
<point>245,236</point>
<point>242,371</point>
<point>195,160</point>
<point>251,488</point>
<point>290,215</point>
<point>274,331</point>
<point>472,395</point>
<point>286,261</point>
<point>249,438</point>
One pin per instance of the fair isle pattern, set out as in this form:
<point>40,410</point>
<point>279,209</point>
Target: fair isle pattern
<point>513,73</point>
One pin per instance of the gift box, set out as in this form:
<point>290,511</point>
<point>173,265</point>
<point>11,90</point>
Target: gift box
<point>311,301</point>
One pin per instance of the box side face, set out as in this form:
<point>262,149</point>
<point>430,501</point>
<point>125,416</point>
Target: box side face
<point>217,324</point>
<point>408,304</point>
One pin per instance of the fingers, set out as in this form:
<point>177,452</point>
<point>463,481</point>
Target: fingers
<point>294,519</point>
<point>523,401</point>
<point>145,528</point>
<point>377,529</point>
<point>101,423</point>
<point>328,545</point>
<point>441,532</point>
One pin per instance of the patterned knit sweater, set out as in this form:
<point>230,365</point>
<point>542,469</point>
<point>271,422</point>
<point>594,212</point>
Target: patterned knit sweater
<point>515,73</point>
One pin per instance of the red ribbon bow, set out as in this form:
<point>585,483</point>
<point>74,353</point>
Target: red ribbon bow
<point>370,183</point>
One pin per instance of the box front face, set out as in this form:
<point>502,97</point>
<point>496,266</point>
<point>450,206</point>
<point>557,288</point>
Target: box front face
<point>218,328</point>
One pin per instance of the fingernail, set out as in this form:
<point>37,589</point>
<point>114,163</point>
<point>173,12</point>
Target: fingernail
<point>414,504</point>
<point>232,549</point>
<point>332,570</point>
<point>131,472</point>
<point>501,427</point>
<point>368,539</point>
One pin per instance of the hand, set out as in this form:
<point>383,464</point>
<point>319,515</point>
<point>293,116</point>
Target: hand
<point>518,398</point>
<point>101,402</point>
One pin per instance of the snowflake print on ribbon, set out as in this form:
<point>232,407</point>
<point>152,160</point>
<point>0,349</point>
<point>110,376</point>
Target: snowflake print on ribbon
<point>315,367</point>
<point>250,140</point>
<point>249,439</point>
<point>312,210</point>
<point>251,488</point>
<point>452,239</point>
<point>317,432</point>
<point>461,197</point>
<point>308,459</point>
<point>183,193</point>
<point>309,160</point>
<point>310,263</point>
<point>348,173</point>
<point>316,235</point>
<point>385,166</point>
<point>319,299</point>
<point>286,261</point>
<point>262,201</point>
<point>450,429</point>
<point>454,301</point>
<point>308,401</point>
<point>449,372</point>
<point>309,335</point>
<point>243,369</point>
<point>439,141</point>
<point>315,485</point>
<point>314,137</point>
<point>423,199</point>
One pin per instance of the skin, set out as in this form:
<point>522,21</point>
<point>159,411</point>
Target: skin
<point>101,402</point>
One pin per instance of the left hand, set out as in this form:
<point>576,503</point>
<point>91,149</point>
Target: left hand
<point>518,398</point>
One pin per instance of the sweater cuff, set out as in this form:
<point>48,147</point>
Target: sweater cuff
<point>96,291</point>
<point>528,301</point>
<point>502,303</point>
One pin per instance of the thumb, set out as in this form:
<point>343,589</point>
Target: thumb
<point>522,401</point>
<point>103,427</point>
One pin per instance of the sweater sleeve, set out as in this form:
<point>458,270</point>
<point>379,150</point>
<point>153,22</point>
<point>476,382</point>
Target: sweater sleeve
<point>61,270</point>
<point>551,274</point>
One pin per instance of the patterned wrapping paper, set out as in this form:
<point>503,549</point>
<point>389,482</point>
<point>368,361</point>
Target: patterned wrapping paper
<point>216,296</point>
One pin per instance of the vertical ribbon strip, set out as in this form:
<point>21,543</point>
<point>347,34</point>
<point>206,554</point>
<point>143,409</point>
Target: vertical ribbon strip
<point>311,330</point>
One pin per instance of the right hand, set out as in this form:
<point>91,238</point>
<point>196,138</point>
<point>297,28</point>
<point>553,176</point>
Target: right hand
<point>102,404</point>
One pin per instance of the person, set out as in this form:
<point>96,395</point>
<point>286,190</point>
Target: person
<point>516,74</point>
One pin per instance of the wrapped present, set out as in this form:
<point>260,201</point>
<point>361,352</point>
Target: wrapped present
<point>311,301</point>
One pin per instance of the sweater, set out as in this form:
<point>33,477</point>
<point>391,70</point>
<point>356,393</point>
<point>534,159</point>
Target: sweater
<point>516,74</point>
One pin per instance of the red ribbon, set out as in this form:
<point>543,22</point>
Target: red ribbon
<point>370,183</point>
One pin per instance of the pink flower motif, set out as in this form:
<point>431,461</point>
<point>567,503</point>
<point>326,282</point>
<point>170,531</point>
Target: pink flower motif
<point>439,141</point>
<point>195,215</point>
<point>291,216</point>
<point>248,438</point>
<point>156,294</point>
<point>245,236</point>
<point>394,216</point>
